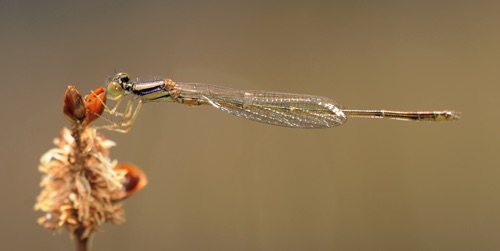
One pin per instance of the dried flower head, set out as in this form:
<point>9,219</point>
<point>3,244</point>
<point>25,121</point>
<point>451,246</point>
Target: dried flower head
<point>80,195</point>
<point>81,184</point>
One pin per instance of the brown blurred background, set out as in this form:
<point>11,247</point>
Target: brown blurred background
<point>218,182</point>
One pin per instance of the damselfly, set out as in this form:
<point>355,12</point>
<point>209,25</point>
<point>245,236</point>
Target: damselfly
<point>275,108</point>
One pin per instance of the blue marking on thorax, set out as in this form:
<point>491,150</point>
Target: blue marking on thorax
<point>148,90</point>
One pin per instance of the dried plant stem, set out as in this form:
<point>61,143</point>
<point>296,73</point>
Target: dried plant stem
<point>83,244</point>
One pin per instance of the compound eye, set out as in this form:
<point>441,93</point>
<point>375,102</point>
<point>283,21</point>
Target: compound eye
<point>122,78</point>
<point>115,89</point>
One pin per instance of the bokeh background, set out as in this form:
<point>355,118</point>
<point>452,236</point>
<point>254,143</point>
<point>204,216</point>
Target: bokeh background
<point>218,182</point>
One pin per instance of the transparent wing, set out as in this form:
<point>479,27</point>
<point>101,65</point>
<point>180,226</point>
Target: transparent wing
<point>281,109</point>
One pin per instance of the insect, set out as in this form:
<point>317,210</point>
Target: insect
<point>135,180</point>
<point>275,108</point>
<point>81,112</point>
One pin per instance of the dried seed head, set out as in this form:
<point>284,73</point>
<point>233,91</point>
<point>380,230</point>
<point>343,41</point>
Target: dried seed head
<point>77,195</point>
<point>81,184</point>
